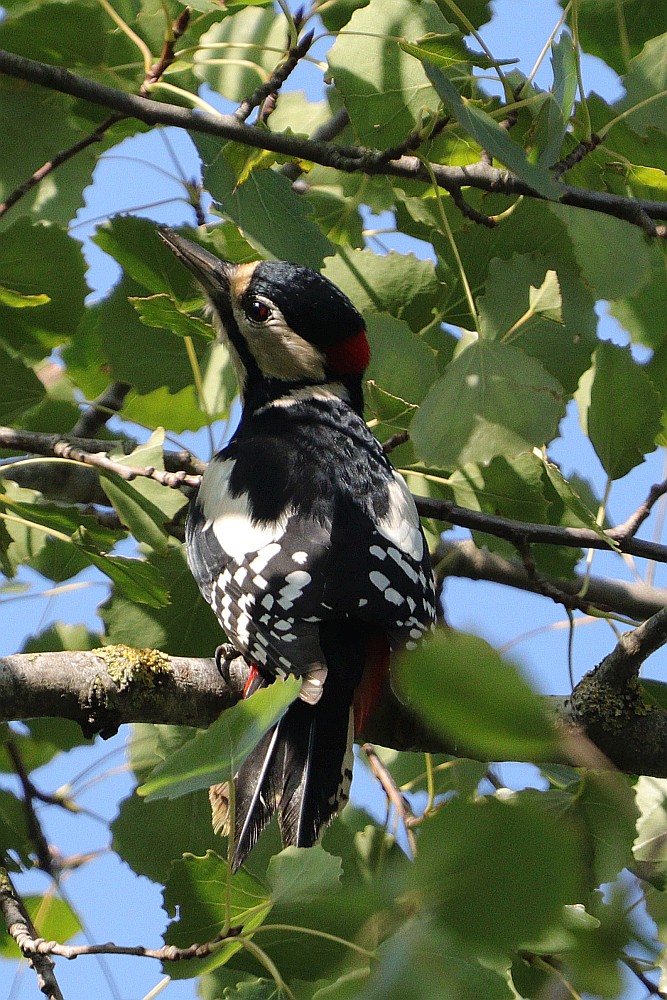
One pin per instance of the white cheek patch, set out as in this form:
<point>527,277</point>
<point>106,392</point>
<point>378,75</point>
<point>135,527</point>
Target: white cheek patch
<point>401,525</point>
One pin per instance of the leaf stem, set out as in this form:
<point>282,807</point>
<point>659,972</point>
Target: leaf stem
<point>577,60</point>
<point>199,385</point>
<point>312,932</point>
<point>126,29</point>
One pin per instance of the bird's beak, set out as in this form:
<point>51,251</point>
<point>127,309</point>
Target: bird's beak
<point>211,272</point>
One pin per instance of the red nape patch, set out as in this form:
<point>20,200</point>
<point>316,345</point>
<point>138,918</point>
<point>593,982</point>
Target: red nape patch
<point>370,687</point>
<point>349,356</point>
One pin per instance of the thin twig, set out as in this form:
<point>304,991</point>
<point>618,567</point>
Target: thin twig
<point>634,522</point>
<point>276,80</point>
<point>392,791</point>
<point>35,831</point>
<point>101,409</point>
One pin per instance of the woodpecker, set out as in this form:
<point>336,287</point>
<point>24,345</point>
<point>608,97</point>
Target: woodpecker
<point>302,537</point>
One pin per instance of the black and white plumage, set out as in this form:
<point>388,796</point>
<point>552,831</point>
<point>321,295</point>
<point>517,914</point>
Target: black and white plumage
<point>303,538</point>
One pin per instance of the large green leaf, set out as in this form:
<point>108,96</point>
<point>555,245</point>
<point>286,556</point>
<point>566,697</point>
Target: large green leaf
<point>385,90</point>
<point>235,71</point>
<point>623,416</point>
<point>401,362</point>
<point>40,260</point>
<point>266,208</point>
<point>204,893</point>
<point>471,414</point>
<point>646,88</point>
<point>611,275</point>
<point>400,284</point>
<point>644,313</point>
<point>299,874</point>
<point>546,312</point>
<point>614,30</point>
<point>20,389</point>
<point>215,755</point>
<point>464,690</point>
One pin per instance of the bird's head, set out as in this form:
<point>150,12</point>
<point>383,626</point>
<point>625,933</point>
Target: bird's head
<point>287,325</point>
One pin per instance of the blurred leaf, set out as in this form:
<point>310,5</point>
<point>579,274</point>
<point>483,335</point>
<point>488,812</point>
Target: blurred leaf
<point>463,690</point>
<point>216,754</point>
<point>20,389</point>
<point>644,313</point>
<point>424,962</point>
<point>55,269</point>
<point>19,301</point>
<point>506,885</point>
<point>478,395</point>
<point>608,29</point>
<point>624,413</point>
<point>15,842</point>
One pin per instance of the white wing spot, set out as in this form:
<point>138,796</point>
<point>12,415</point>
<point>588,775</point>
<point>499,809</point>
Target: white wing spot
<point>299,578</point>
<point>264,556</point>
<point>393,596</point>
<point>260,582</point>
<point>378,552</point>
<point>300,557</point>
<point>378,580</point>
<point>267,601</point>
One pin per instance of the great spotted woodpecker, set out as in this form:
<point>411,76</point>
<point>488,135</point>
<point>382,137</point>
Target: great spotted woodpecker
<point>303,538</point>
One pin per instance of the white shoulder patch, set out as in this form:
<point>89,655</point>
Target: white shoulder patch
<point>229,517</point>
<point>401,525</point>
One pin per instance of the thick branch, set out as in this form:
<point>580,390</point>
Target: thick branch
<point>80,686</point>
<point>349,159</point>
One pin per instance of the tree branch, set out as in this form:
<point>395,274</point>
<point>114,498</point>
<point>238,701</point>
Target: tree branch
<point>465,559</point>
<point>20,927</point>
<point>638,212</point>
<point>102,692</point>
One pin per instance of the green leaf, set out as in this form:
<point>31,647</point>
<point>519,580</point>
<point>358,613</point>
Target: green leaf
<point>554,116</point>
<point>187,627</point>
<point>250,64</point>
<point>299,874</point>
<point>463,690</point>
<point>508,869</point>
<point>651,841</point>
<point>135,578</point>
<point>646,88</point>
<point>471,414</point>
<point>644,313</point>
<point>494,139</point>
<point>424,961</point>
<point>216,754</point>
<point>573,501</point>
<point>265,207</point>
<point>14,833</point>
<point>399,284</point>
<point>611,275</point>
<point>385,91</point>
<point>40,260</point>
<point>605,804</point>
<point>142,517</point>
<point>163,312</point>
<point>16,300</point>
<point>149,836</point>
<point>624,413</point>
<point>611,32</point>
<point>20,389</point>
<point>402,364</point>
<point>199,890</point>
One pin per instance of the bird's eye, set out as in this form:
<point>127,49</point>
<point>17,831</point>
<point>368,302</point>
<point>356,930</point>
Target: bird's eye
<point>257,312</point>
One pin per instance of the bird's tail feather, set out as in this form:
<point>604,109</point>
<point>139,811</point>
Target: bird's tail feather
<point>301,769</point>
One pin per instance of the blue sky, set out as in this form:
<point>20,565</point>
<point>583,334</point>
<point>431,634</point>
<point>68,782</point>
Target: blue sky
<point>117,905</point>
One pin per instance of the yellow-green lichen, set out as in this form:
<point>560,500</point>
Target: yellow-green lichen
<point>126,665</point>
